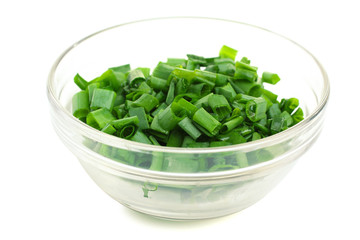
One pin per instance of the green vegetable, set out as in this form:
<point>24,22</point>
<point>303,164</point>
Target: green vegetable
<point>193,102</point>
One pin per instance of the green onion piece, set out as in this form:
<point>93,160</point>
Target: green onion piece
<point>192,65</point>
<point>162,106</point>
<point>298,116</point>
<point>160,96</point>
<point>245,130</point>
<point>247,87</point>
<point>154,141</point>
<point>210,84</point>
<point>176,62</point>
<point>288,119</point>
<point>200,89</point>
<point>157,128</point>
<point>140,113</point>
<point>135,77</point>
<point>158,83</point>
<point>181,86</point>
<point>205,120</point>
<point>119,111</point>
<point>187,141</point>
<point>272,96</point>
<point>189,128</point>
<point>228,52</point>
<point>274,110</point>
<point>175,139</point>
<point>145,71</point>
<point>278,124</point>
<point>218,61</point>
<point>171,93</point>
<point>230,125</point>
<point>168,118</point>
<point>147,101</point>
<point>190,97</point>
<point>261,127</point>
<point>80,82</point>
<point>243,98</point>
<point>211,60</point>
<point>90,89</point>
<point>140,137</point>
<point>212,68</point>
<point>99,118</point>
<point>80,104</point>
<point>219,105</point>
<point>123,68</point>
<point>113,78</point>
<point>228,92</point>
<point>127,132</point>
<point>102,98</point>
<point>246,66</point>
<point>206,75</point>
<point>197,59</point>
<point>203,102</point>
<point>119,99</point>
<point>255,136</point>
<point>290,105</point>
<point>232,137</point>
<point>188,107</point>
<point>245,60</point>
<point>162,70</point>
<point>226,69</point>
<point>269,77</point>
<point>256,109</point>
<point>120,123</point>
<point>244,74</point>
<point>144,88</point>
<point>109,129</point>
<point>184,73</point>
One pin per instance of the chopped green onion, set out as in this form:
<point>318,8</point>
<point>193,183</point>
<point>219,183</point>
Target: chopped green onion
<point>230,125</point>
<point>192,102</point>
<point>109,129</point>
<point>271,78</point>
<point>80,104</point>
<point>135,77</point>
<point>140,137</point>
<point>120,123</point>
<point>102,98</point>
<point>205,120</point>
<point>82,83</point>
<point>140,113</point>
<point>127,132</point>
<point>175,139</point>
<point>228,52</point>
<point>244,74</point>
<point>298,116</point>
<point>99,118</point>
<point>168,118</point>
<point>189,128</point>
<point>219,105</point>
<point>147,101</point>
<point>256,109</point>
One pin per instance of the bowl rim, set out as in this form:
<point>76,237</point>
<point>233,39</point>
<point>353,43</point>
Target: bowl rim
<point>114,141</point>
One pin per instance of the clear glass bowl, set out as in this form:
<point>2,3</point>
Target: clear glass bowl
<point>187,195</point>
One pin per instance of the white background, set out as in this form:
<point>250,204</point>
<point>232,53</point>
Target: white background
<point>44,192</point>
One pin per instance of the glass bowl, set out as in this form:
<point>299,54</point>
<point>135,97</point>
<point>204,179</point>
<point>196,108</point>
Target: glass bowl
<point>187,195</point>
